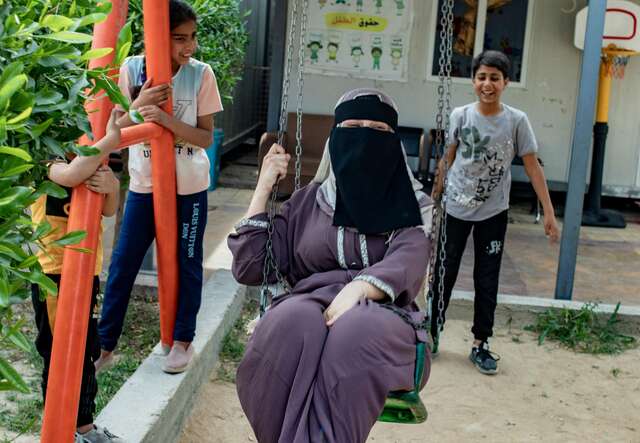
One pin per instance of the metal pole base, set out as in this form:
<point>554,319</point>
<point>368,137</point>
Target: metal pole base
<point>604,218</point>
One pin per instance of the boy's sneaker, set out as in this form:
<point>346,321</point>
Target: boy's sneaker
<point>484,360</point>
<point>98,435</point>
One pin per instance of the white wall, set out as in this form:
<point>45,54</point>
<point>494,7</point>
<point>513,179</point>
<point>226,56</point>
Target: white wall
<point>549,96</point>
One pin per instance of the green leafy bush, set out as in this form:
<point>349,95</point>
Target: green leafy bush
<point>222,38</point>
<point>44,50</point>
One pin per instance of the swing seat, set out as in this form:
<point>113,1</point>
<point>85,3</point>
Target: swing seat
<point>406,406</point>
<point>403,407</point>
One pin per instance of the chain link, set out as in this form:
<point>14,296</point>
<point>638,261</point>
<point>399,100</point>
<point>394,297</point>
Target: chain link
<point>439,226</point>
<point>270,263</point>
<point>447,114</point>
<point>301,54</point>
<point>404,315</point>
<point>284,101</point>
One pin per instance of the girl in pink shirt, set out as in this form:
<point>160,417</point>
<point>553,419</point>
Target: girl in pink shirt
<point>195,101</point>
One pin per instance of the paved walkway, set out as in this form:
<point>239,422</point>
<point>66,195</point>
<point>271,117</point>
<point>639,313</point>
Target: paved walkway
<point>226,207</point>
<point>608,265</point>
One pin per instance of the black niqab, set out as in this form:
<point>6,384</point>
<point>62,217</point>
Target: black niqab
<point>374,192</point>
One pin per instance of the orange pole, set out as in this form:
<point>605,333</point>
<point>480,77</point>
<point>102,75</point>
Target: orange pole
<point>74,298</point>
<point>139,133</point>
<point>163,168</point>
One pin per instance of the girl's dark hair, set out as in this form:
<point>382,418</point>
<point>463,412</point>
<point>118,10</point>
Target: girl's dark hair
<point>180,12</point>
<point>492,59</point>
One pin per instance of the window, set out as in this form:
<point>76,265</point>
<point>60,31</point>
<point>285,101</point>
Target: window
<point>485,24</point>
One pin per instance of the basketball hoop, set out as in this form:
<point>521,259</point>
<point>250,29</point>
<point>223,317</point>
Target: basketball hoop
<point>620,39</point>
<point>615,61</point>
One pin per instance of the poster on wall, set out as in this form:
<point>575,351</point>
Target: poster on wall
<point>359,38</point>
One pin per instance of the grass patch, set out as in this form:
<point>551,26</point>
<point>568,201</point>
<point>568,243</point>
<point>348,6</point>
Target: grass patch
<point>583,330</point>
<point>234,343</point>
<point>21,413</point>
<point>23,416</point>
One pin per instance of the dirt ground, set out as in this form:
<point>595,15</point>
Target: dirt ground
<point>542,393</point>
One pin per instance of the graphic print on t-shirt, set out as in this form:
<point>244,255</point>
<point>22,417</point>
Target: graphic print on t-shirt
<point>181,108</point>
<point>484,166</point>
<point>182,148</point>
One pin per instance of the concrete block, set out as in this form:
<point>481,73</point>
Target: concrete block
<point>152,406</point>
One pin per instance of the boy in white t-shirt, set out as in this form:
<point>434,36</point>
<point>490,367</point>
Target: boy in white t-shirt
<point>485,136</point>
<point>195,101</point>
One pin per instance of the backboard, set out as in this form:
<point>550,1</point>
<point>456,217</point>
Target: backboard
<point>620,26</point>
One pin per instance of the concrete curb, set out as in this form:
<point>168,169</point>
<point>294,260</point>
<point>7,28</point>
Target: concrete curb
<point>542,303</point>
<point>152,406</point>
<point>522,310</point>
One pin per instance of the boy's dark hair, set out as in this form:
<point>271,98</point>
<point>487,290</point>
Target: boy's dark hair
<point>492,59</point>
<point>180,12</point>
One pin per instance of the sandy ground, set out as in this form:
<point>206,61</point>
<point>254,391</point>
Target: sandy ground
<point>543,393</point>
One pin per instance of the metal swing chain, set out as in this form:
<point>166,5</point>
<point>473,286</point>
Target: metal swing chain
<point>442,134</point>
<point>301,55</point>
<point>270,261</point>
<point>286,80</point>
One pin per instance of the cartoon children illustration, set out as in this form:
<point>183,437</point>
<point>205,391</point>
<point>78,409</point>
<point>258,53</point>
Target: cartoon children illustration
<point>359,5</point>
<point>378,4</point>
<point>396,57</point>
<point>322,3</point>
<point>356,55</point>
<point>314,47</point>
<point>376,53</point>
<point>332,52</point>
<point>400,5</point>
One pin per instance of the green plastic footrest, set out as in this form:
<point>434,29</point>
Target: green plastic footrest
<point>405,407</point>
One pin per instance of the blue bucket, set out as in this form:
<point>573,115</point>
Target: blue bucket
<point>213,152</point>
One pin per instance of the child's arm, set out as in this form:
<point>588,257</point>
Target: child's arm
<point>149,95</point>
<point>104,182</point>
<point>536,175</point>
<point>208,103</point>
<point>81,167</point>
<point>450,156</point>
<point>202,135</point>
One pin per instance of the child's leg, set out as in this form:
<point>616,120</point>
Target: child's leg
<point>457,233</point>
<point>136,235</point>
<point>192,220</point>
<point>44,341</point>
<point>488,241</point>
<point>89,386</point>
